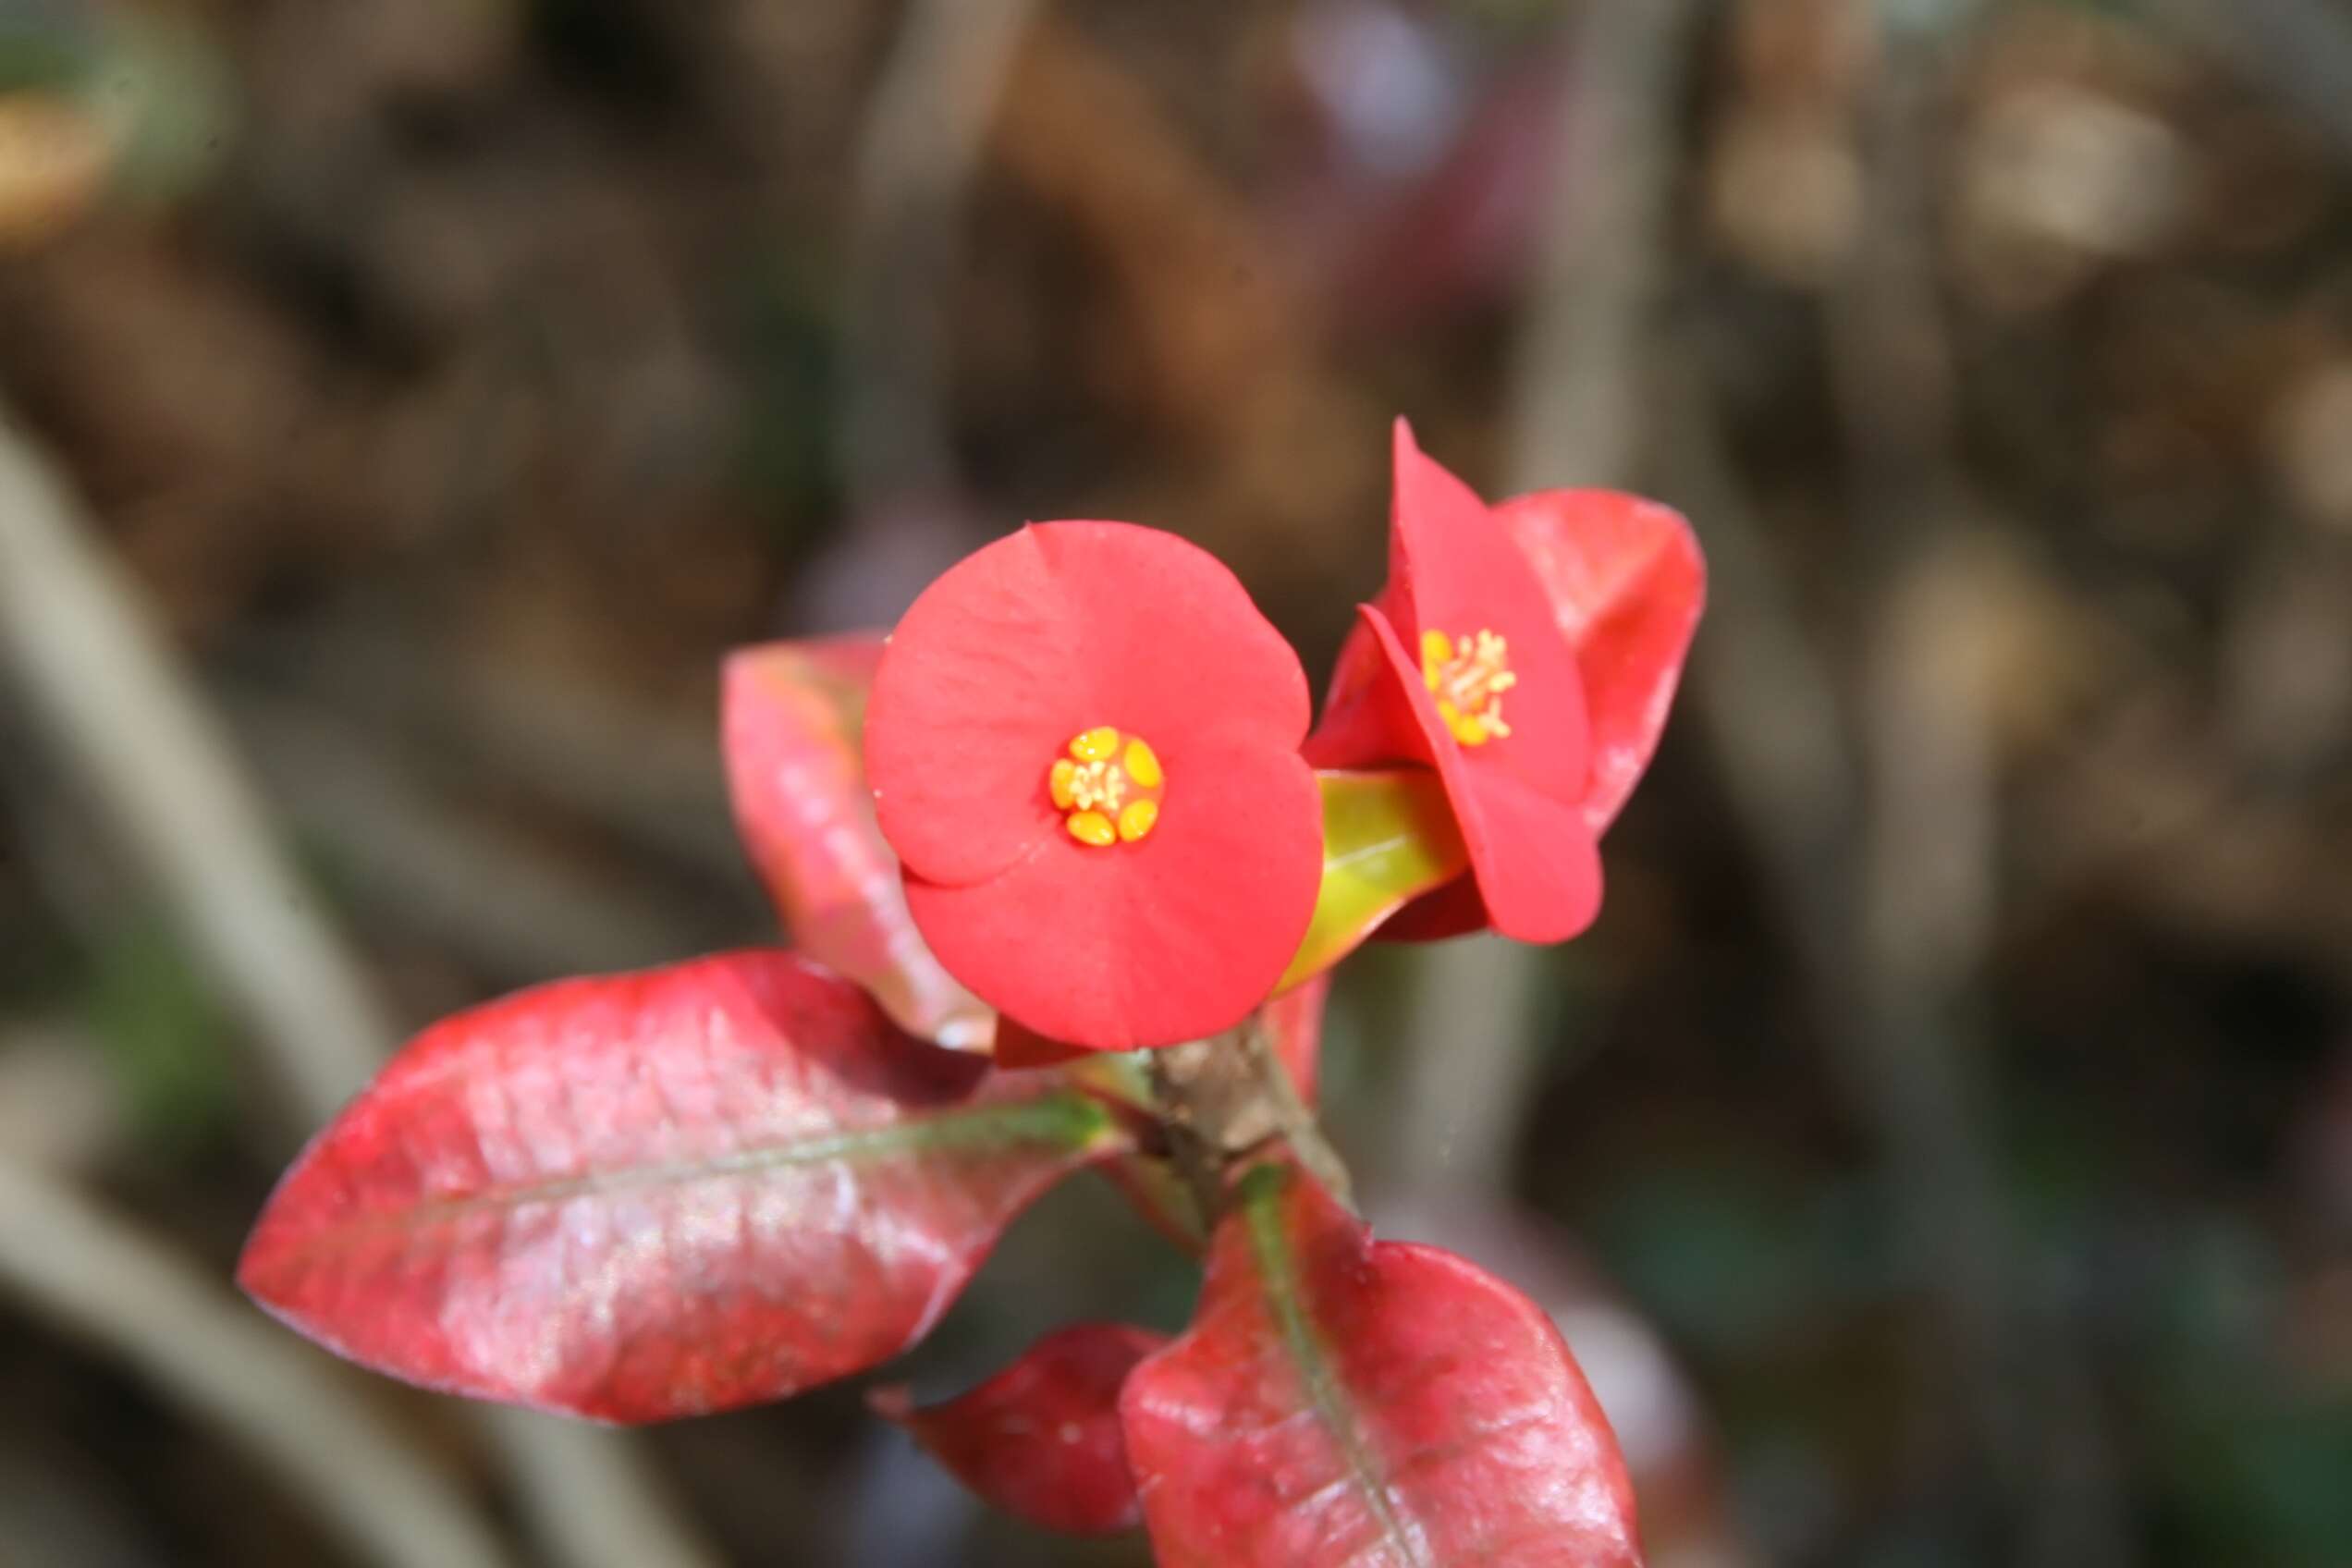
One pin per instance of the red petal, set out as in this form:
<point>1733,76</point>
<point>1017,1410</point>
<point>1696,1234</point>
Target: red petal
<point>1178,647</point>
<point>1627,583</point>
<point>1456,570</point>
<point>1537,863</point>
<point>1041,1440</point>
<point>1367,718</point>
<point>981,685</point>
<point>658,1194</point>
<point>792,716</point>
<point>1519,798</point>
<point>1176,938</point>
<point>1342,1402</point>
<point>1048,632</point>
<point>1441,541</point>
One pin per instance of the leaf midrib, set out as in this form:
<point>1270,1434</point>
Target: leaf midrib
<point>1330,1400</point>
<point>1063,1118</point>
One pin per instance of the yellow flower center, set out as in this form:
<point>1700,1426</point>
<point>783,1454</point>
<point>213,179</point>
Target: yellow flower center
<point>1108,788</point>
<point>1468,675</point>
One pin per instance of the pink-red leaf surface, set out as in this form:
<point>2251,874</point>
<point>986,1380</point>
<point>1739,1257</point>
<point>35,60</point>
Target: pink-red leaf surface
<point>1344,1403</point>
<point>792,714</point>
<point>1041,1438</point>
<point>657,1195</point>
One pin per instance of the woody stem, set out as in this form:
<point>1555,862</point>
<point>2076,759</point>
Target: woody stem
<point>1223,1101</point>
<point>1299,1127</point>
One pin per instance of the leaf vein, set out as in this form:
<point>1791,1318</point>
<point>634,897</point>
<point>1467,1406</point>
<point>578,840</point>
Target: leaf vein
<point>1328,1397</point>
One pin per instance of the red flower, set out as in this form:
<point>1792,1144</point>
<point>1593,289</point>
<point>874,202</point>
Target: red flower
<point>1084,744</point>
<point>1528,652</point>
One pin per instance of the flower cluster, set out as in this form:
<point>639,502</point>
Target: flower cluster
<point>1074,805</point>
<point>1091,752</point>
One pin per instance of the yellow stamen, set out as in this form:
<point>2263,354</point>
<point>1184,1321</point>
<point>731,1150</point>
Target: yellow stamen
<point>1096,745</point>
<point>1108,788</point>
<point>1468,675</point>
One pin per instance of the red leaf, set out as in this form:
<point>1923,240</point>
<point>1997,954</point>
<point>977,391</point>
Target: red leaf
<point>1041,1438</point>
<point>656,1195</point>
<point>1377,1406</point>
<point>1627,584</point>
<point>793,714</point>
<point>1662,1426</point>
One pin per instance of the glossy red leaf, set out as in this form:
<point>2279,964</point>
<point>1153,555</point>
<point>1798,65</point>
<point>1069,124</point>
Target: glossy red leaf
<point>1627,583</point>
<point>656,1195</point>
<point>1662,1425</point>
<point>1340,1402</point>
<point>792,716</point>
<point>1041,1440</point>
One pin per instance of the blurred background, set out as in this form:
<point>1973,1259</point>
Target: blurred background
<point>1940,1153</point>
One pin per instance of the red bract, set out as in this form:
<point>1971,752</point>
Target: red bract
<point>1041,1438</point>
<point>1339,1401</point>
<point>1627,583</point>
<point>659,1194</point>
<point>1084,746</point>
<point>791,715</point>
<point>1528,653</point>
